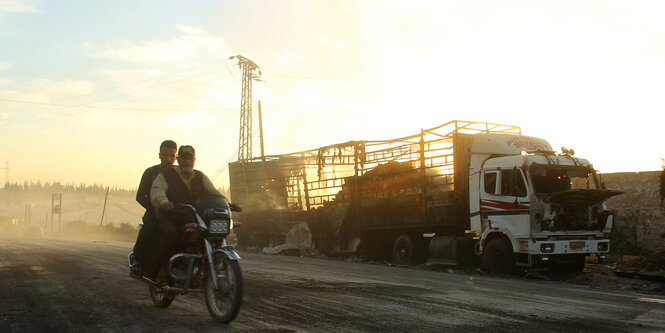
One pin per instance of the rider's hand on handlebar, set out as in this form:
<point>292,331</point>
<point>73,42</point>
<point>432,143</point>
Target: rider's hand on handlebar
<point>167,206</point>
<point>235,207</point>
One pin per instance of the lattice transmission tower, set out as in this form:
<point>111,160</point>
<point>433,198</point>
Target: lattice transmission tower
<point>250,72</point>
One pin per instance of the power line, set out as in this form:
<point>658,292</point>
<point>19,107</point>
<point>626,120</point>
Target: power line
<point>288,106</point>
<point>311,78</point>
<point>128,101</point>
<point>224,166</point>
<point>126,211</point>
<point>110,108</point>
<point>129,84</point>
<point>136,82</point>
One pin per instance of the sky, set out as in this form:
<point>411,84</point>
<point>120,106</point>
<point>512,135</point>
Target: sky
<point>89,89</point>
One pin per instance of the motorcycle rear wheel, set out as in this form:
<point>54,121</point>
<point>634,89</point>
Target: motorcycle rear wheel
<point>161,299</point>
<point>224,303</point>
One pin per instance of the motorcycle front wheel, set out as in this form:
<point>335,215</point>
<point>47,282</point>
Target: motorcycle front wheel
<point>224,303</point>
<point>161,298</point>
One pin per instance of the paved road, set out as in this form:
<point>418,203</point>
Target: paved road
<point>73,286</point>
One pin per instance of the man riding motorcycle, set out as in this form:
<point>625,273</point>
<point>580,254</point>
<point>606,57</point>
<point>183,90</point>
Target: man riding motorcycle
<point>178,184</point>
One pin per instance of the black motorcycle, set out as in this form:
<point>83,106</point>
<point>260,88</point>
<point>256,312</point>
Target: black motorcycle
<point>204,262</point>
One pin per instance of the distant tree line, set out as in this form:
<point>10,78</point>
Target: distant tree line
<point>51,187</point>
<point>56,187</point>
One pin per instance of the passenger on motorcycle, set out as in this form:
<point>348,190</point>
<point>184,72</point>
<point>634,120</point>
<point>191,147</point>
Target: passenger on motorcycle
<point>146,239</point>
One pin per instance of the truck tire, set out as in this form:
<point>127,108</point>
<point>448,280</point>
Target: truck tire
<point>404,250</point>
<point>498,257</point>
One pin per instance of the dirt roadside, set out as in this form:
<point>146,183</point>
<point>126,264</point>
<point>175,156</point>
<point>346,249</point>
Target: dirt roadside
<point>633,275</point>
<point>609,276</point>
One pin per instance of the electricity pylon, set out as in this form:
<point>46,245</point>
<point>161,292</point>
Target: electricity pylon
<point>250,72</point>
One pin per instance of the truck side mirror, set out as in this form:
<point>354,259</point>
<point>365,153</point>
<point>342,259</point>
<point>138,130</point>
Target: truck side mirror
<point>609,224</point>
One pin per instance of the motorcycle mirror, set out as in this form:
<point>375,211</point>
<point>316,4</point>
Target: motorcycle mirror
<point>235,207</point>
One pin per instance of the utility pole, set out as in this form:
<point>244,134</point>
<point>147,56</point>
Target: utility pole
<point>101,222</point>
<point>56,209</point>
<point>7,172</point>
<point>52,210</point>
<point>250,71</point>
<point>263,155</point>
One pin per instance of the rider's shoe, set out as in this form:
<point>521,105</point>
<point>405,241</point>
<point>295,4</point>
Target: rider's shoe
<point>136,271</point>
<point>135,274</point>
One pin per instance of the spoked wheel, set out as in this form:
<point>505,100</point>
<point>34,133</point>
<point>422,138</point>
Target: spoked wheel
<point>224,303</point>
<point>161,298</point>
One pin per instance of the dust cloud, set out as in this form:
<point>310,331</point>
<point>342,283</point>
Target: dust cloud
<point>82,213</point>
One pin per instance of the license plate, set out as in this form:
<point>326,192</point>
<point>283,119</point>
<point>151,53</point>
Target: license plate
<point>577,245</point>
<point>219,227</point>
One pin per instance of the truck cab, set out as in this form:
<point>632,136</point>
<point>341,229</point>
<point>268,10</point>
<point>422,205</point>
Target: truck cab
<point>530,207</point>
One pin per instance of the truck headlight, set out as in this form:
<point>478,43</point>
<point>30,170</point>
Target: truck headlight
<point>603,246</point>
<point>547,247</point>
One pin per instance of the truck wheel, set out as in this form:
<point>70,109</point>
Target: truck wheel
<point>498,257</point>
<point>404,250</point>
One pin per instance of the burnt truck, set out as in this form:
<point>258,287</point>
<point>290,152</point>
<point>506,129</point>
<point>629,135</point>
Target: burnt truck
<point>461,193</point>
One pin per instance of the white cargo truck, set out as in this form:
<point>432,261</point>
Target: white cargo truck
<point>463,192</point>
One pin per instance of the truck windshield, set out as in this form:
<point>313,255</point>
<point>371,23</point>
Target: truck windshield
<point>555,179</point>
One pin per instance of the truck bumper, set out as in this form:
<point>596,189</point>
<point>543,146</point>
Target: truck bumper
<point>586,246</point>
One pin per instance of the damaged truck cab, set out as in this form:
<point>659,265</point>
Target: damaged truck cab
<point>530,207</point>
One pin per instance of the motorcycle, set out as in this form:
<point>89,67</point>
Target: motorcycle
<point>204,262</point>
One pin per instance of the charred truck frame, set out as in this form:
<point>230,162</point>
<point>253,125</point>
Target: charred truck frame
<point>458,193</point>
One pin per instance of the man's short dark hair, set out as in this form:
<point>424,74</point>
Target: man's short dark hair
<point>168,144</point>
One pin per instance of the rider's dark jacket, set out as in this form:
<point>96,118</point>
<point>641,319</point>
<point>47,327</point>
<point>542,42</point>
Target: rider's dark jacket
<point>143,193</point>
<point>178,191</point>
<point>170,186</point>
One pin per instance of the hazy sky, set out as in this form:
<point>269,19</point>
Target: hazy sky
<point>88,89</point>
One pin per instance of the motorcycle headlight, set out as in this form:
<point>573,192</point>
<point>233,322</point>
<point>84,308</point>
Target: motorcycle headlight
<point>219,227</point>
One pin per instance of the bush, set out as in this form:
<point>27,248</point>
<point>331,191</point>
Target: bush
<point>630,230</point>
<point>649,261</point>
